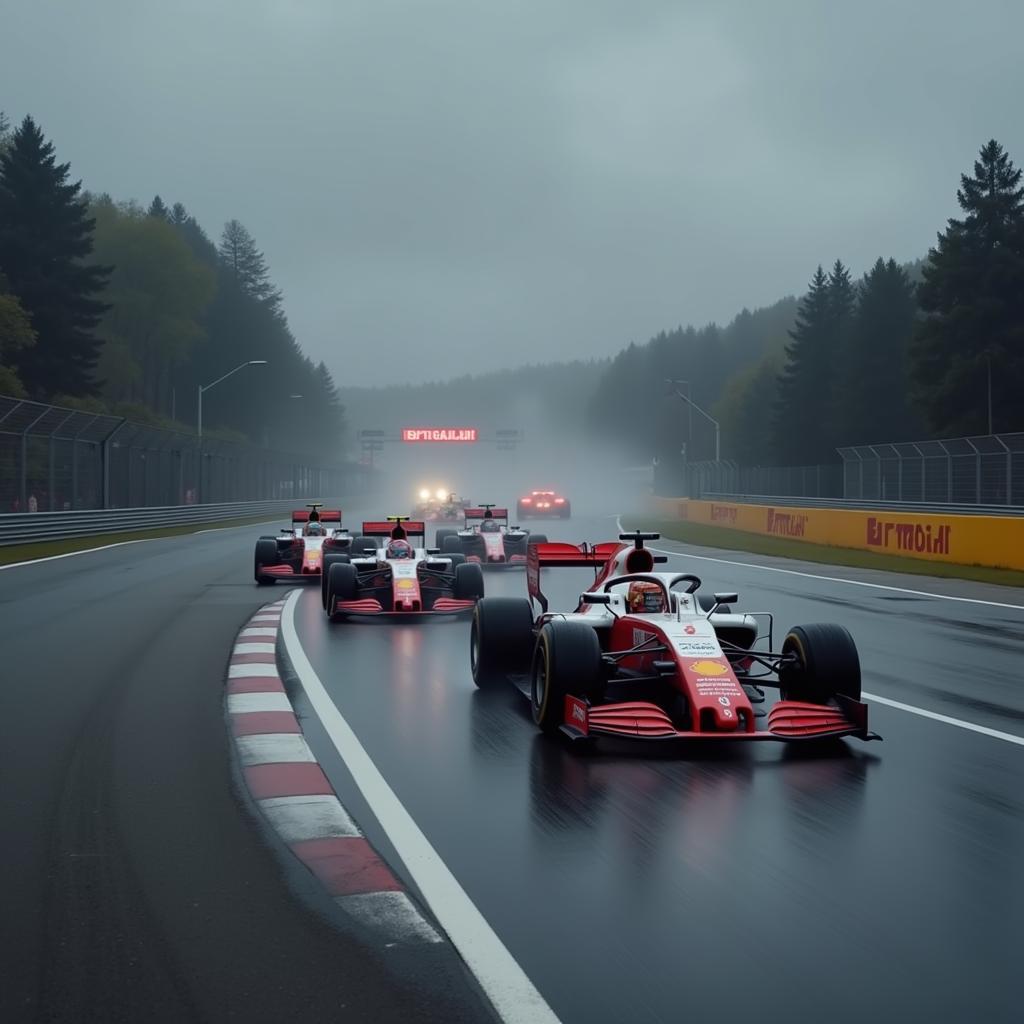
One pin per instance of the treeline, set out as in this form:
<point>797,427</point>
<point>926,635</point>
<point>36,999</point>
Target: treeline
<point>931,349</point>
<point>114,307</point>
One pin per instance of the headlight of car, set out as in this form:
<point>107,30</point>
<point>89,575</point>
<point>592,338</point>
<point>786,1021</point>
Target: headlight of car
<point>441,494</point>
<point>424,494</point>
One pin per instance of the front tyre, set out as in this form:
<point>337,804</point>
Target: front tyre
<point>500,640</point>
<point>469,582</point>
<point>325,571</point>
<point>342,585</point>
<point>822,663</point>
<point>266,554</point>
<point>566,662</point>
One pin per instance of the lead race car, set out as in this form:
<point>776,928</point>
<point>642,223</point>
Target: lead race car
<point>645,656</point>
<point>398,578</point>
<point>299,550</point>
<point>543,505</point>
<point>488,539</point>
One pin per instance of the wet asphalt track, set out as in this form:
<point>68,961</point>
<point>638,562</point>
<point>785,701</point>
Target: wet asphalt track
<point>880,882</point>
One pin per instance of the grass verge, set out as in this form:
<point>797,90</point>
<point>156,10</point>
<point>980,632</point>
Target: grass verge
<point>44,549</point>
<point>781,547</point>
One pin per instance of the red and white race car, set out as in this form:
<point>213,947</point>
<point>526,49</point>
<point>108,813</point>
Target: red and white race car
<point>396,578</point>
<point>543,505</point>
<point>488,539</point>
<point>298,552</point>
<point>645,656</point>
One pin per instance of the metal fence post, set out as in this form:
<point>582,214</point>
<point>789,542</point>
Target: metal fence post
<point>105,459</point>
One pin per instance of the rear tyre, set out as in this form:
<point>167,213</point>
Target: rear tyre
<point>566,661</point>
<point>362,545</point>
<point>342,585</point>
<point>442,534</point>
<point>456,558</point>
<point>500,640</point>
<point>325,570</point>
<point>537,538</point>
<point>266,554</point>
<point>469,582</point>
<point>825,664</point>
<point>452,544</point>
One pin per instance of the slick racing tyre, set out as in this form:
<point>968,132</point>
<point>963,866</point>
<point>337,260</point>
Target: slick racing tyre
<point>566,661</point>
<point>456,558</point>
<point>452,544</point>
<point>469,582</point>
<point>266,554</point>
<point>537,538</point>
<point>824,663</point>
<point>500,639</point>
<point>342,585</point>
<point>338,558</point>
<point>442,534</point>
<point>361,546</point>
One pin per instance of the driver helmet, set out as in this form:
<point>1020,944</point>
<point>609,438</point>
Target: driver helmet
<point>490,526</point>
<point>314,529</point>
<point>645,597</point>
<point>399,549</point>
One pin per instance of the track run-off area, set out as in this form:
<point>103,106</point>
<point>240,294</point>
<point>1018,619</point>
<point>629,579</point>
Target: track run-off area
<point>140,882</point>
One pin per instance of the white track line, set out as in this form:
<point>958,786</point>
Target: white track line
<point>936,717</point>
<point>505,983</point>
<point>833,579</point>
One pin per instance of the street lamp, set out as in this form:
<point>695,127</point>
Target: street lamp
<point>693,405</point>
<point>206,387</point>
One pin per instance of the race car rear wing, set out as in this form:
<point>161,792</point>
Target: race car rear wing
<point>556,555</point>
<point>396,529</point>
<point>487,512</point>
<point>325,515</point>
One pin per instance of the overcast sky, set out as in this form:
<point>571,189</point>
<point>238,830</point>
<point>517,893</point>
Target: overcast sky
<point>445,187</point>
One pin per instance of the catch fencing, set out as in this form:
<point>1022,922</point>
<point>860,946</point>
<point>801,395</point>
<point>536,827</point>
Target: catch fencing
<point>957,471</point>
<point>55,459</point>
<point>986,470</point>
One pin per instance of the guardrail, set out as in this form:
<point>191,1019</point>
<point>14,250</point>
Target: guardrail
<point>34,527</point>
<point>788,501</point>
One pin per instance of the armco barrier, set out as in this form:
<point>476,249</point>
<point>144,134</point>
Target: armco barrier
<point>994,541</point>
<point>31,527</point>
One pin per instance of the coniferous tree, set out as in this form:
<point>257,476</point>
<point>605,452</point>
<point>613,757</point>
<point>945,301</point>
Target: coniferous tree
<point>158,209</point>
<point>803,405</point>
<point>972,336</point>
<point>5,133</point>
<point>45,234</point>
<point>874,400</point>
<point>247,264</point>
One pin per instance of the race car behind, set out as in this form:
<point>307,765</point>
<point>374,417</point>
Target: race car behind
<point>298,551</point>
<point>395,578</point>
<point>488,539</point>
<point>543,505</point>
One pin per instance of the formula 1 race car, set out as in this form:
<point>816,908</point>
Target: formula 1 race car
<point>488,539</point>
<point>298,551</point>
<point>644,656</point>
<point>543,505</point>
<point>440,504</point>
<point>397,578</point>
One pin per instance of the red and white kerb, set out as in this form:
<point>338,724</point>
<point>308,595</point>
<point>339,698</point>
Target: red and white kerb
<point>296,798</point>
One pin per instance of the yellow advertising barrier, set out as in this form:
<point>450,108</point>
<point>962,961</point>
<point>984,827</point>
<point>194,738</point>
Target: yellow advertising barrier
<point>994,541</point>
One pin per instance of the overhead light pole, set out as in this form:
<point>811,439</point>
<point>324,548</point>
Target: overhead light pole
<point>693,405</point>
<point>203,388</point>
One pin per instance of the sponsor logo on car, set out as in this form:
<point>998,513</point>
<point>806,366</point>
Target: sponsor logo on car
<point>709,668</point>
<point>697,648</point>
<point>690,630</point>
<point>405,585</point>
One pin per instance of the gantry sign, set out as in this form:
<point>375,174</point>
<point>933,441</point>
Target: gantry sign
<point>374,440</point>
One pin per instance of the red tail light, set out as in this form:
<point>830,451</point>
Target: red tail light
<point>559,501</point>
<point>527,501</point>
